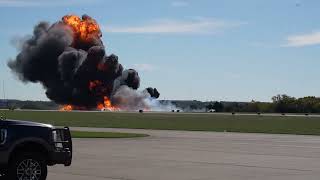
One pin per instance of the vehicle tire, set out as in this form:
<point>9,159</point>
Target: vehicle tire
<point>3,177</point>
<point>28,166</point>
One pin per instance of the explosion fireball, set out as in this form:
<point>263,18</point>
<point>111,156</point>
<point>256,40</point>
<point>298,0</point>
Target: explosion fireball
<point>84,28</point>
<point>68,58</point>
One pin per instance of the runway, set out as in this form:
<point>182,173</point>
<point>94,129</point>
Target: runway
<point>186,155</point>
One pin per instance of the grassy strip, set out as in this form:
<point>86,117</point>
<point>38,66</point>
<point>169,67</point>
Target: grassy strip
<point>85,134</point>
<point>176,121</point>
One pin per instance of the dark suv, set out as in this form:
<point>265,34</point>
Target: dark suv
<point>27,148</point>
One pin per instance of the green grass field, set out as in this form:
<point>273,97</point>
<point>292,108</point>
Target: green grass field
<point>175,121</point>
<point>85,134</point>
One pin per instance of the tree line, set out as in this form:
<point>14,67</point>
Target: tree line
<point>280,104</point>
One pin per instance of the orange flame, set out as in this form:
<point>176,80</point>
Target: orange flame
<point>85,28</point>
<point>106,105</point>
<point>66,108</point>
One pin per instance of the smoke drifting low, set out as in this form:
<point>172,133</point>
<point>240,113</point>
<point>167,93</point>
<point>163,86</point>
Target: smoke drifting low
<point>68,58</point>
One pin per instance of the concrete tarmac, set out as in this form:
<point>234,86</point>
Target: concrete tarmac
<point>186,155</point>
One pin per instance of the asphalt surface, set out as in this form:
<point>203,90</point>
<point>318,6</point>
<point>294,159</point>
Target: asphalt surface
<point>183,155</point>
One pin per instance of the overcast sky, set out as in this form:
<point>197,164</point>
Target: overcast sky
<point>189,49</point>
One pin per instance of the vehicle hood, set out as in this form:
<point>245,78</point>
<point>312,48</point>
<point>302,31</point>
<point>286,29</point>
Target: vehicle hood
<point>10,122</point>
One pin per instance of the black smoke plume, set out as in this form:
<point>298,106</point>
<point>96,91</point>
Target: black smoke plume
<point>74,68</point>
<point>153,92</point>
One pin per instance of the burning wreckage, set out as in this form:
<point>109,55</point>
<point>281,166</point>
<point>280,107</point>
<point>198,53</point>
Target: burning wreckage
<point>68,58</point>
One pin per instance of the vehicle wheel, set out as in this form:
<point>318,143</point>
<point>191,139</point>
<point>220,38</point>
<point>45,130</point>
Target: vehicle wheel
<point>28,166</point>
<point>3,177</point>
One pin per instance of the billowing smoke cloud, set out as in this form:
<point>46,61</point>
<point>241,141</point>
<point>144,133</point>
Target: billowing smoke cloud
<point>68,58</point>
<point>128,98</point>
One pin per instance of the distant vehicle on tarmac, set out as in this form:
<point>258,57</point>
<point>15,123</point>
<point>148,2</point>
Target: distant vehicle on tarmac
<point>27,148</point>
